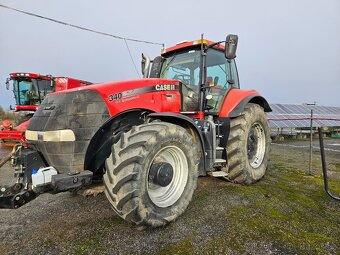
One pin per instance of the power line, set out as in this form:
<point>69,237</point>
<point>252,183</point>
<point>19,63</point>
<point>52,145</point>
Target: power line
<point>134,64</point>
<point>80,27</point>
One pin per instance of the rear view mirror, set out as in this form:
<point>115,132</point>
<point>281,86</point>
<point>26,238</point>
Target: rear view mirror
<point>231,46</point>
<point>7,83</point>
<point>156,67</point>
<point>145,65</point>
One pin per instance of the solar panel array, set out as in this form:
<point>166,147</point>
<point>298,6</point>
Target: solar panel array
<point>298,116</point>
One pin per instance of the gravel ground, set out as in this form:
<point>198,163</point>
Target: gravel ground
<point>285,213</point>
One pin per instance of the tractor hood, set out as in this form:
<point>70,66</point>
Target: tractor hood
<point>124,95</point>
<point>64,124</point>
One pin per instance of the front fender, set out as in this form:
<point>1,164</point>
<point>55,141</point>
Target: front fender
<point>237,99</point>
<point>100,146</point>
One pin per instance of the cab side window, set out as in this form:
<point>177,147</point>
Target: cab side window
<point>218,75</point>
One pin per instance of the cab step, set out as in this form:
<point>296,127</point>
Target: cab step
<point>218,174</point>
<point>220,161</point>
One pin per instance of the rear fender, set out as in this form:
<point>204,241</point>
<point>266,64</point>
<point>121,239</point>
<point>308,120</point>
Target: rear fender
<point>236,100</point>
<point>187,123</point>
<point>100,145</point>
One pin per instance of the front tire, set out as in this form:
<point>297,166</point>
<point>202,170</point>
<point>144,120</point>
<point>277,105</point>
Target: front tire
<point>248,145</point>
<point>152,173</point>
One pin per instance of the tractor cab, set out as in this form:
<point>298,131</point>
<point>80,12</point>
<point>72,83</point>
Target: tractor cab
<point>203,70</point>
<point>29,89</point>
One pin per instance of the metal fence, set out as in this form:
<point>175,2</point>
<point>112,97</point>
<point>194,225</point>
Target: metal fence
<point>322,156</point>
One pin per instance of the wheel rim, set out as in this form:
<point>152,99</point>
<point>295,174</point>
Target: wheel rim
<point>256,145</point>
<point>168,195</point>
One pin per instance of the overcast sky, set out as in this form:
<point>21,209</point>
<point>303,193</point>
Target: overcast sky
<point>288,50</point>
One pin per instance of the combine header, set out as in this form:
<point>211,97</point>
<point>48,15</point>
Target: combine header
<point>10,136</point>
<point>148,139</point>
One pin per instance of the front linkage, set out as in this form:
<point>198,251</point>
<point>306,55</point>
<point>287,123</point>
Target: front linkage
<point>16,195</point>
<point>34,177</point>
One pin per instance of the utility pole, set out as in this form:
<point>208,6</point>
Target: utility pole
<point>311,143</point>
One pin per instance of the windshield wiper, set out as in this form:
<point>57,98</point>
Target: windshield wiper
<point>214,44</point>
<point>167,65</point>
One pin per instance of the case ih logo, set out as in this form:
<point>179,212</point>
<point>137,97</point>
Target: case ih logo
<point>165,87</point>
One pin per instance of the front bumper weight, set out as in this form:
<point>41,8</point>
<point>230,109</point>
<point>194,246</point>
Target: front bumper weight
<point>68,181</point>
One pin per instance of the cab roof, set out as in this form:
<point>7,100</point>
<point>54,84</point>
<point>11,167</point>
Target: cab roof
<point>30,75</point>
<point>186,44</point>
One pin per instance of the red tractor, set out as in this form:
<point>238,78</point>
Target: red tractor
<point>148,139</point>
<point>29,91</point>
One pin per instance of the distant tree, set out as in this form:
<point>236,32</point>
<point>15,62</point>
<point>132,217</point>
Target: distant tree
<point>2,110</point>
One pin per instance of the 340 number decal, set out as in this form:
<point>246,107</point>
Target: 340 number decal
<point>115,97</point>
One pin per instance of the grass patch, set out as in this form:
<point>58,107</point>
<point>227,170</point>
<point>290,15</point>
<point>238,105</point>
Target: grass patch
<point>112,221</point>
<point>183,247</point>
<point>287,210</point>
<point>91,245</point>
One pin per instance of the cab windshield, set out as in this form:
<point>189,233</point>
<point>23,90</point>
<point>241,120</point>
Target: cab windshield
<point>185,67</point>
<point>30,91</point>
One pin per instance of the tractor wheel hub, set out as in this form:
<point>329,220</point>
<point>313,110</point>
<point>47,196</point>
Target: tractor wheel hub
<point>161,174</point>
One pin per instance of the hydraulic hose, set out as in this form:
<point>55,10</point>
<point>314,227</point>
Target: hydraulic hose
<point>5,159</point>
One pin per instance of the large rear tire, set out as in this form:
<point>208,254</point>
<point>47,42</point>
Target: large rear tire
<point>248,145</point>
<point>152,173</point>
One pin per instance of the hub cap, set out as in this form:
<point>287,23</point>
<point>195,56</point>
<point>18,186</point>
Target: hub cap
<point>161,174</point>
<point>256,145</point>
<point>161,195</point>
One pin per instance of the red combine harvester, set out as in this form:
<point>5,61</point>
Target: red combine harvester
<point>148,139</point>
<point>29,91</point>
